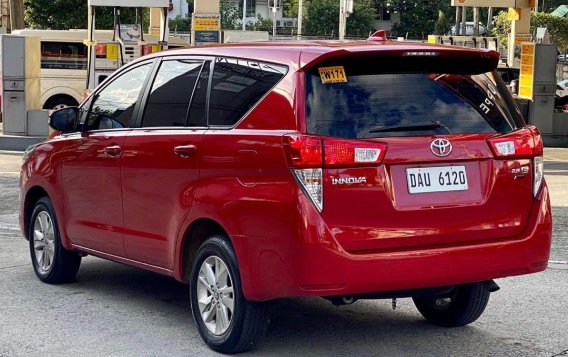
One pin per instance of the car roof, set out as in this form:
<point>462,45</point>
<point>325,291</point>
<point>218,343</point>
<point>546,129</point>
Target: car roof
<point>299,54</point>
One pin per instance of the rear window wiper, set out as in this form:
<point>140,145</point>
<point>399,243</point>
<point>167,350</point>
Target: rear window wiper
<point>421,126</point>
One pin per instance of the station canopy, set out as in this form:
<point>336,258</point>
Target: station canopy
<point>129,3</point>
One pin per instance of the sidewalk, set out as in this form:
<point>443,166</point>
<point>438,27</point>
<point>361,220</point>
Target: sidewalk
<point>17,143</point>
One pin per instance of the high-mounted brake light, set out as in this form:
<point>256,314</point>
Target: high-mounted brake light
<point>308,155</point>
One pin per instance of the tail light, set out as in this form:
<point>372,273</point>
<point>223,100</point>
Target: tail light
<point>308,155</point>
<point>526,143</point>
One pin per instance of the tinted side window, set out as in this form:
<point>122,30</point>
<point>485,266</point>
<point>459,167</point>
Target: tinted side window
<point>114,105</point>
<point>237,86</point>
<point>168,102</point>
<point>63,55</point>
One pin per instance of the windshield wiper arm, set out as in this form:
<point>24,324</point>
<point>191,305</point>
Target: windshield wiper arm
<point>423,126</point>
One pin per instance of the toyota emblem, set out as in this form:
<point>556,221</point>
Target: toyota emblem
<point>441,147</point>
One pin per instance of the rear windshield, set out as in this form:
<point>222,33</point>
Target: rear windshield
<point>407,104</point>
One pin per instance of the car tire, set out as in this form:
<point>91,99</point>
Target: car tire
<point>52,263</point>
<point>462,306</point>
<point>214,286</point>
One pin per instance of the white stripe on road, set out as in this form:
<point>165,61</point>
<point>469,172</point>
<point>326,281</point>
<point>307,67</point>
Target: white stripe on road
<point>9,226</point>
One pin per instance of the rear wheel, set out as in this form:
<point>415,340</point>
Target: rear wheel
<point>462,306</point>
<point>226,321</point>
<point>52,263</point>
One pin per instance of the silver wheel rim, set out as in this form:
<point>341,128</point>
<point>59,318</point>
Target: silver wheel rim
<point>44,242</point>
<point>59,106</point>
<point>215,295</point>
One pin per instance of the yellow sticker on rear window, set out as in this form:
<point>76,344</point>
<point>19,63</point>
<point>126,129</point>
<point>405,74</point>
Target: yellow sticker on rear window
<point>332,75</point>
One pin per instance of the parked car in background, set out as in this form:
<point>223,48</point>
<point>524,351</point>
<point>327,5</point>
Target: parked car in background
<point>346,170</point>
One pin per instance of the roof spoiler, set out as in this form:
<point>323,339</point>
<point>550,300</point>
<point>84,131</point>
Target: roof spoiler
<point>380,35</point>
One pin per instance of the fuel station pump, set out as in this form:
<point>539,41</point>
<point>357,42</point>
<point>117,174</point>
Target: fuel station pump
<point>127,44</point>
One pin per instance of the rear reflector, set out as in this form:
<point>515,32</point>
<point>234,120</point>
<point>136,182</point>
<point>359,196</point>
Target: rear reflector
<point>538,164</point>
<point>311,182</point>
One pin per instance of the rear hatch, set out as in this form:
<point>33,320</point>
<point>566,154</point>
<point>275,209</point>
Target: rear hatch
<point>417,151</point>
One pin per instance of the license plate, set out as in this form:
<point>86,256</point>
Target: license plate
<point>436,179</point>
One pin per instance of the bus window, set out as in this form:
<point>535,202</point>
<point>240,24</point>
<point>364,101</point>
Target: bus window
<point>63,55</point>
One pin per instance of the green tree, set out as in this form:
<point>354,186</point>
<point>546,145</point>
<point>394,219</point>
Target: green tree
<point>557,28</point>
<point>180,23</point>
<point>442,26</point>
<point>230,16</point>
<point>322,18</point>
<point>417,18</point>
<point>261,24</point>
<point>71,14</point>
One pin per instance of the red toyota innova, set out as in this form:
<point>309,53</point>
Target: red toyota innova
<point>252,172</point>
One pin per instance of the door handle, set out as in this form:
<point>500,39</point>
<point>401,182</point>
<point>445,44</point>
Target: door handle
<point>113,150</point>
<point>185,150</point>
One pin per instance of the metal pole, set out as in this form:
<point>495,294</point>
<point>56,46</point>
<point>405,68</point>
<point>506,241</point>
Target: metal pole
<point>458,21</point>
<point>341,19</point>
<point>489,21</point>
<point>300,15</point>
<point>273,23</point>
<point>464,20</point>
<point>476,21</point>
<point>244,15</point>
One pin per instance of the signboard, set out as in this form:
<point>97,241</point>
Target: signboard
<point>206,24</point>
<point>206,29</point>
<point>526,80</point>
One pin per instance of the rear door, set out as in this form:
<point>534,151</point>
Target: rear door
<point>439,182</point>
<point>161,159</point>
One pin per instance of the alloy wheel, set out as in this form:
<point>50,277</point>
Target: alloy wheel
<point>215,295</point>
<point>44,241</point>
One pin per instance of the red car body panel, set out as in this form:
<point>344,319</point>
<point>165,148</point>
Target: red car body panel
<point>371,237</point>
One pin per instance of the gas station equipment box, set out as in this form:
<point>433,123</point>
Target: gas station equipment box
<point>21,79</point>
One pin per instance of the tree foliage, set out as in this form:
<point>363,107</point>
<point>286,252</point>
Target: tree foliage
<point>71,14</point>
<point>557,28</point>
<point>230,16</point>
<point>418,18</point>
<point>322,18</point>
<point>442,26</point>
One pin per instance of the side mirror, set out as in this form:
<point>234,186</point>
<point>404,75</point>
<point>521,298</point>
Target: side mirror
<point>64,120</point>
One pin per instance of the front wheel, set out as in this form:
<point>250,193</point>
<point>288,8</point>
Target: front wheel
<point>226,321</point>
<point>462,306</point>
<point>52,263</point>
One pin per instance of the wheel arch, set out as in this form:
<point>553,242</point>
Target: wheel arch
<point>49,100</point>
<point>33,195</point>
<point>197,232</point>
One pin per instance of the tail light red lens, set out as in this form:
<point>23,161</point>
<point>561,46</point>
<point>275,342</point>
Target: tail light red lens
<point>303,151</point>
<point>518,144</point>
<point>339,152</point>
<point>307,155</point>
<point>526,143</point>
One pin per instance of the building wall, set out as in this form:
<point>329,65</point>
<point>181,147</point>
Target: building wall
<point>180,8</point>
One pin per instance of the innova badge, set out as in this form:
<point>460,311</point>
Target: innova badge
<point>441,147</point>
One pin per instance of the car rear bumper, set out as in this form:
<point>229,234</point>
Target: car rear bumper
<point>314,264</point>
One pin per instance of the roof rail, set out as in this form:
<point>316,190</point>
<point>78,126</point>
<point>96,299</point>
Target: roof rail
<point>380,35</point>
